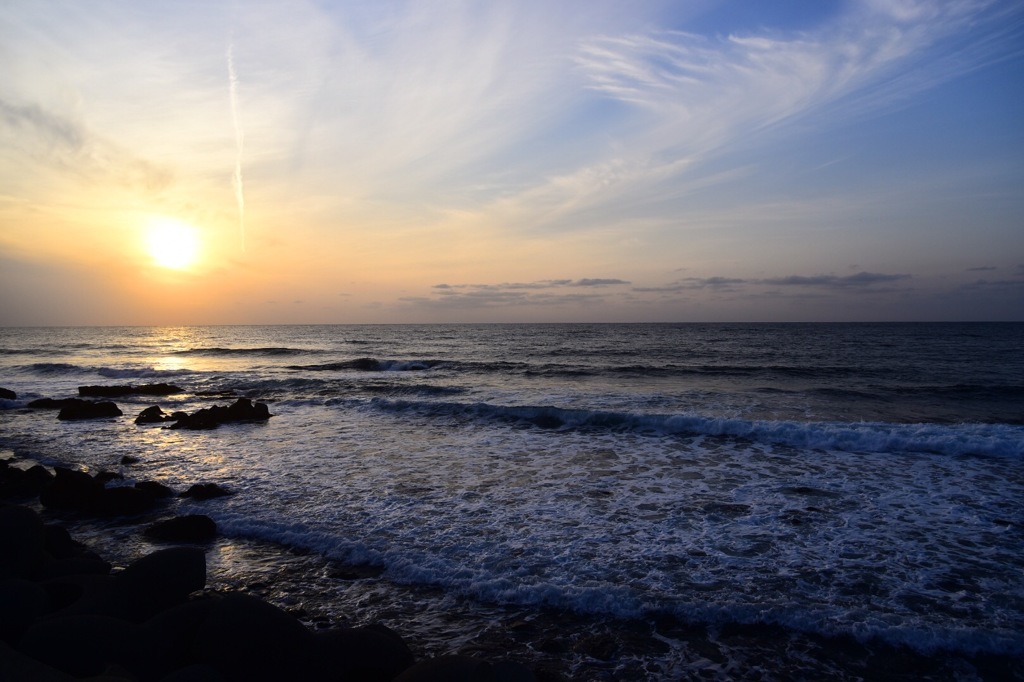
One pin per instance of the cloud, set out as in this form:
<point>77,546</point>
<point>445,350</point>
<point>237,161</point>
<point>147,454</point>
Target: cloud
<point>983,268</point>
<point>857,281</point>
<point>52,129</point>
<point>539,293</point>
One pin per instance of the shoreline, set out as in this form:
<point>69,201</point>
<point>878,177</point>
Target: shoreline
<point>323,595</point>
<point>61,598</point>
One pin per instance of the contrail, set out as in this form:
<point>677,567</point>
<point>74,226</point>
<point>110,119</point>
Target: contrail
<point>239,138</point>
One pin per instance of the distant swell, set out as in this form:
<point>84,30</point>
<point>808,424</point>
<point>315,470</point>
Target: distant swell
<point>963,439</point>
<point>270,351</point>
<point>370,365</point>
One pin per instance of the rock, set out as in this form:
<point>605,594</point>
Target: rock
<point>71,490</point>
<point>194,673</point>
<point>15,665</point>
<point>368,653</point>
<point>172,634</point>
<point>118,391</point>
<point>83,409</point>
<point>8,394</point>
<point>153,415</point>
<point>123,501</point>
<point>84,645</point>
<point>80,594</point>
<point>158,581</point>
<point>15,482</point>
<point>157,491</point>
<point>129,459</point>
<point>22,539</point>
<point>194,528</point>
<point>242,410</point>
<point>205,491</point>
<point>83,565</point>
<point>248,640</point>
<point>21,602</point>
<point>449,669</point>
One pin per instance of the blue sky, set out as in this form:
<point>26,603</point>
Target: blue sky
<point>512,161</point>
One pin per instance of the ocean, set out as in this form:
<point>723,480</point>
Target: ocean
<point>600,501</point>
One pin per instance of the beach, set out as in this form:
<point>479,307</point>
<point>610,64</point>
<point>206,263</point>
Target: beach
<point>585,501</point>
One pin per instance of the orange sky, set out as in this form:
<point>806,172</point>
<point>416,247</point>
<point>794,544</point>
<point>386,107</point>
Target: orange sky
<point>370,162</point>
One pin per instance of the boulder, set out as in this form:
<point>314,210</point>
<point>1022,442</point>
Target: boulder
<point>242,410</point>
<point>172,634</point>
<point>249,640</point>
<point>71,489</point>
<point>84,409</point>
<point>22,540</point>
<point>158,581</point>
<point>452,668</point>
<point>84,645</point>
<point>155,490</point>
<point>8,394</point>
<point>123,501</point>
<point>194,528</point>
<point>21,602</point>
<point>153,415</point>
<point>368,653</point>
<point>15,482</point>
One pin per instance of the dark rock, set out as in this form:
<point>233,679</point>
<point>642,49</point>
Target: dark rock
<point>123,501</point>
<point>194,673</point>
<point>59,544</point>
<point>248,640</point>
<point>242,410</point>
<point>83,565</point>
<point>194,528</point>
<point>8,394</point>
<point>15,665</point>
<point>71,489</point>
<point>205,491</point>
<point>449,669</point>
<point>172,634</point>
<point>84,645</point>
<point>79,594</point>
<point>158,581</point>
<point>22,539</point>
<point>107,476</point>
<point>129,459</point>
<point>157,491</point>
<point>15,482</point>
<point>368,653</point>
<point>83,409</point>
<point>119,391</point>
<point>153,415</point>
<point>21,602</point>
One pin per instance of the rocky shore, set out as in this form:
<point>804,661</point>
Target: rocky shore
<point>67,613</point>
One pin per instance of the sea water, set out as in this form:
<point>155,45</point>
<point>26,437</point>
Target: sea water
<point>798,484</point>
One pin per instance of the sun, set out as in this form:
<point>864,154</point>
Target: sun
<point>172,243</point>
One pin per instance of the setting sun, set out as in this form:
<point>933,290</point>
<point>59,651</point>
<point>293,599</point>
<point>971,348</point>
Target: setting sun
<point>172,243</point>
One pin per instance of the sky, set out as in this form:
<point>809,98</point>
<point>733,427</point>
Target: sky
<point>264,162</point>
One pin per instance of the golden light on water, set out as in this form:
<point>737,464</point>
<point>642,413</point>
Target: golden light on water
<point>172,243</point>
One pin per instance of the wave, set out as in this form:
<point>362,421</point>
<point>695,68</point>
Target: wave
<point>265,351</point>
<point>971,439</point>
<point>408,566</point>
<point>370,365</point>
<point>139,372</point>
<point>52,368</point>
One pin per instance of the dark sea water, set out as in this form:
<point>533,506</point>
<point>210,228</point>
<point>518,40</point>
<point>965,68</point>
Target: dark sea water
<point>694,501</point>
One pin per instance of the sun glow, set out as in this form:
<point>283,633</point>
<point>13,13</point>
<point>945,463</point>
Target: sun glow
<point>172,243</point>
